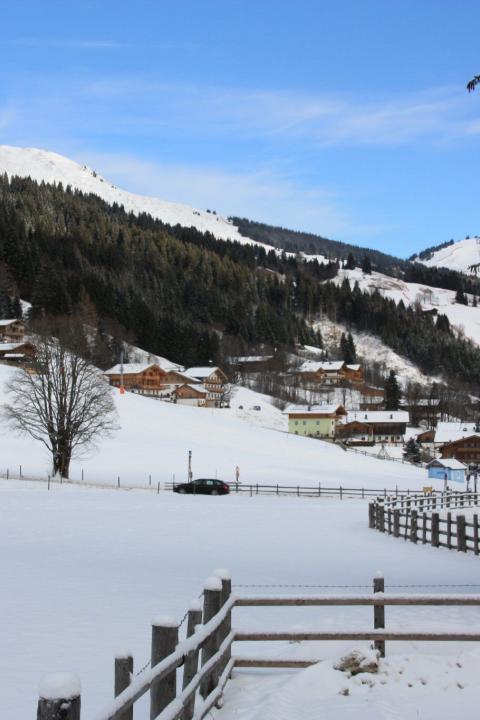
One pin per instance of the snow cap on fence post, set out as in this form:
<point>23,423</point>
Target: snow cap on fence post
<point>212,583</point>
<point>212,602</point>
<point>123,674</point>
<point>222,573</point>
<point>59,697</point>
<point>195,605</point>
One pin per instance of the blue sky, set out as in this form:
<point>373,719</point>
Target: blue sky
<point>346,118</point>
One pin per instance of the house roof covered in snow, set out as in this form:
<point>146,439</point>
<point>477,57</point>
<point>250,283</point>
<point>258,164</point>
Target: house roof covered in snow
<point>449,463</point>
<point>315,366</point>
<point>10,347</point>
<point>314,410</point>
<point>6,323</point>
<point>251,358</point>
<point>378,416</point>
<point>130,368</point>
<point>452,431</point>
<point>201,372</point>
<point>355,367</point>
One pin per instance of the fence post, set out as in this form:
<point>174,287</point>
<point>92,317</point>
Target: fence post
<point>396,522</point>
<point>414,526</point>
<point>164,642</point>
<point>381,518</point>
<point>190,667</point>
<point>212,598</point>
<point>226,626</point>
<point>59,697</point>
<point>435,534</point>
<point>123,678</point>
<point>461,534</point>
<point>371,515</point>
<point>379,612</point>
<point>475,534</point>
<point>424,528</point>
<point>449,530</point>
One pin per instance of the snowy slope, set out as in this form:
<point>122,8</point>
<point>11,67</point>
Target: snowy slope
<point>154,439</point>
<point>53,168</point>
<point>465,318</point>
<point>458,256</point>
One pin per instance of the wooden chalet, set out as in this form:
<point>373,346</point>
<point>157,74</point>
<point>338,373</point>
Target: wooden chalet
<point>388,426</point>
<point>330,372</point>
<point>353,373</point>
<point>12,330</point>
<point>426,438</point>
<point>186,394</point>
<point>147,378</point>
<point>17,352</point>
<point>138,377</point>
<point>466,450</point>
<point>355,433</point>
<point>214,381</point>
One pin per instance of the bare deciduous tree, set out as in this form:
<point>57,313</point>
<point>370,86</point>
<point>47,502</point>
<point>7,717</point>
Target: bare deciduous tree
<point>60,400</point>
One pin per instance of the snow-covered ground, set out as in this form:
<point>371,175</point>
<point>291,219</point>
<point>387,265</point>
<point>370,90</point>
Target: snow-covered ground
<point>372,349</point>
<point>458,256</point>
<point>464,318</point>
<point>154,438</point>
<point>84,571</point>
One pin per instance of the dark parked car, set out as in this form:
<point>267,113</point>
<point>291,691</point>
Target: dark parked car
<point>203,486</point>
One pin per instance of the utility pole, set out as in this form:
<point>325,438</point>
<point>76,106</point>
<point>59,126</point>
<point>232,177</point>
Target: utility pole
<point>122,389</point>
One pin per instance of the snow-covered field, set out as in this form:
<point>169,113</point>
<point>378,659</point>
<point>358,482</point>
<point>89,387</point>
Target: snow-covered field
<point>154,438</point>
<point>85,570</point>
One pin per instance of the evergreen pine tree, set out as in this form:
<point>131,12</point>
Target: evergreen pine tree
<point>392,392</point>
<point>350,262</point>
<point>366,265</point>
<point>352,349</point>
<point>460,297</point>
<point>411,451</point>
<point>17,311</point>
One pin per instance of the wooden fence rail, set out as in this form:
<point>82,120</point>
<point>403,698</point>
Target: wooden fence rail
<point>214,639</point>
<point>316,491</point>
<point>413,519</point>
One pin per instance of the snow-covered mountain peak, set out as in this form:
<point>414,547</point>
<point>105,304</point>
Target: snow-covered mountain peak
<point>460,255</point>
<point>54,168</point>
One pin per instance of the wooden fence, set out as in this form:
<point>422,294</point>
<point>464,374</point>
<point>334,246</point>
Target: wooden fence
<point>202,686</point>
<point>153,486</point>
<point>415,519</point>
<point>314,491</point>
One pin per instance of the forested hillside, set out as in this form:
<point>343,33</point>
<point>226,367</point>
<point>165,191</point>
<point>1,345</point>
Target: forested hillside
<point>294,241</point>
<point>182,294</point>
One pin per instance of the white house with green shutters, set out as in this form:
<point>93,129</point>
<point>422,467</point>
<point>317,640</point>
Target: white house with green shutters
<point>314,420</point>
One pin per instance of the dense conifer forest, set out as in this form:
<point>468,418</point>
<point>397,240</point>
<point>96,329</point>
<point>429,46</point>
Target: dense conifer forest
<point>185,295</point>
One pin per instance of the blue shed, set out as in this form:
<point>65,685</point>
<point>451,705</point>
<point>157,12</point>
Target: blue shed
<point>447,469</point>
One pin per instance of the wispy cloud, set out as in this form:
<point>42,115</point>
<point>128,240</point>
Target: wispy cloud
<point>437,115</point>
<point>7,117</point>
<point>73,44</point>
